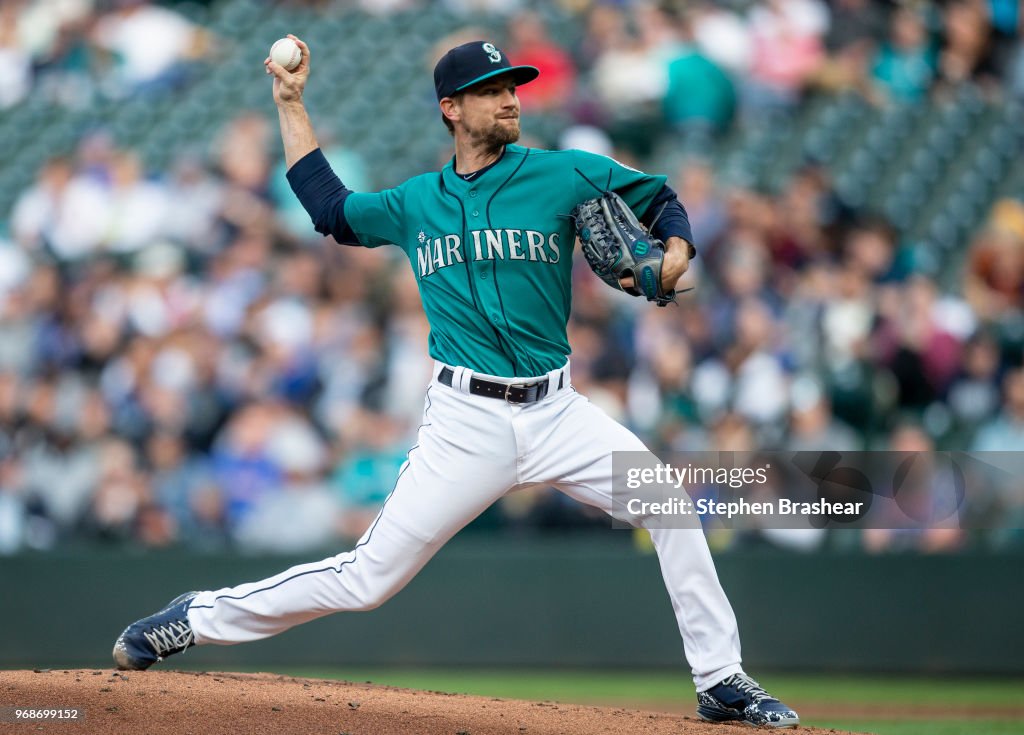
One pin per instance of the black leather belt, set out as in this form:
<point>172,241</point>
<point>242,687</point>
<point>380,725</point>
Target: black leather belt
<point>514,393</point>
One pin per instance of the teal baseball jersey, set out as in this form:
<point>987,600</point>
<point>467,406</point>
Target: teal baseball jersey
<point>493,255</point>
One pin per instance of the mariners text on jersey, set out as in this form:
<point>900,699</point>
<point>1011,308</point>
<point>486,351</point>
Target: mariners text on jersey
<point>433,254</point>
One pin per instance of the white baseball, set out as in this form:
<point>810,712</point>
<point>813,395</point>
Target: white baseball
<point>286,53</point>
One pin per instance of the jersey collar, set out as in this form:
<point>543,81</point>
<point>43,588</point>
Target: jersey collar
<point>509,158</point>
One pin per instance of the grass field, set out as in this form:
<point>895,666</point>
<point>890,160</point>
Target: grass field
<point>906,706</point>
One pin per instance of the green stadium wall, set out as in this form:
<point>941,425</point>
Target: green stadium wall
<point>574,603</point>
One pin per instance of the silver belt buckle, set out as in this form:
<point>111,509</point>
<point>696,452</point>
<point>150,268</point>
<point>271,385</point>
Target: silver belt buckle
<point>524,386</point>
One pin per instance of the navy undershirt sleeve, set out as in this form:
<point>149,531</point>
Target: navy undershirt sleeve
<point>673,221</point>
<point>322,195</point>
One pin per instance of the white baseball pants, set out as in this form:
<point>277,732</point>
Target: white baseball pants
<point>472,450</point>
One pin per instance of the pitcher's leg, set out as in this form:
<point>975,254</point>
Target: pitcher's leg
<point>387,557</point>
<point>574,451</point>
<point>444,485</point>
<point>707,624</point>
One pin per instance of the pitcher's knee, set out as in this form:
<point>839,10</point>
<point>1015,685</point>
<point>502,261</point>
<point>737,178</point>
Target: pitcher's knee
<point>367,586</point>
<point>372,598</point>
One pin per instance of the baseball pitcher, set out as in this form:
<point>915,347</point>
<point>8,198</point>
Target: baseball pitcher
<point>490,239</point>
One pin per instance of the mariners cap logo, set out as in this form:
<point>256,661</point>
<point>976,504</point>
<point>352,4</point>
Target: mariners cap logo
<point>465,65</point>
<point>492,52</point>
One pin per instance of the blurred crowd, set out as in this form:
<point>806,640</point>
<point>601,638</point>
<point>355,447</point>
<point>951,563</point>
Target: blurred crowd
<point>72,51</point>
<point>183,362</point>
<point>628,61</point>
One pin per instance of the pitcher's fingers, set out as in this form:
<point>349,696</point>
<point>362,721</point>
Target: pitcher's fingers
<point>301,44</point>
<point>278,71</point>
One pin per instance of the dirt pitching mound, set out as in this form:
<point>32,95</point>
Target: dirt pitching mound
<point>164,702</point>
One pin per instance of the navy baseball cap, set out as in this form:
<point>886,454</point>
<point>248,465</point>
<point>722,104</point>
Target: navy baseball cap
<point>474,62</point>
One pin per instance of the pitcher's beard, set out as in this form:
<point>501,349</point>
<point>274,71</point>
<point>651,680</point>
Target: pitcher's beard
<point>495,135</point>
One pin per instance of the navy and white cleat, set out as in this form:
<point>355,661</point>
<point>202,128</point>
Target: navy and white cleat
<point>156,637</point>
<point>741,699</point>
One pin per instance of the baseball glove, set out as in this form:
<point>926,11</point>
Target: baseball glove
<point>616,245</point>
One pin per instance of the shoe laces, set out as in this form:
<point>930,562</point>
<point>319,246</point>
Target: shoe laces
<point>170,637</point>
<point>749,687</point>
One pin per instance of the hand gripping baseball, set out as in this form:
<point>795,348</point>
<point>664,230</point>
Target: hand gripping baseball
<point>289,85</point>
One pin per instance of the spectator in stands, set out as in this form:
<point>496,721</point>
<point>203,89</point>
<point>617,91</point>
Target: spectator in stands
<point>912,340</point>
<point>241,464</point>
<point>743,271</point>
<point>531,44</point>
<point>851,42</point>
<point>787,51</point>
<point>15,59</point>
<point>750,376</point>
<point>798,236</point>
<point>121,491</point>
<point>925,511</point>
<point>848,313</point>
<point>175,476</point>
<point>994,277</point>
<point>477,8</point>
<point>974,396</point>
<point>153,45</point>
<point>586,138</point>
<point>1005,433</point>
<point>69,68</point>
<point>283,328</point>
<point>905,66</point>
<point>751,218</point>
<point>385,7</point>
<point>628,77</point>
<point>605,29</point>
<point>968,51</point>
<point>64,213</point>
<point>194,199</point>
<point>43,26</point>
<point>137,207</point>
<point>871,248</point>
<point>300,514</point>
<point>352,344</point>
<point>207,527</point>
<point>11,387</point>
<point>855,23</point>
<point>705,205</point>
<point>722,36</point>
<point>732,433</point>
<point>374,451</point>
<point>235,279</point>
<point>61,473</point>
<point>758,360</point>
<point>812,425</point>
<point>155,527</point>
<point>1015,71</point>
<point>700,98</point>
<point>661,400</point>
